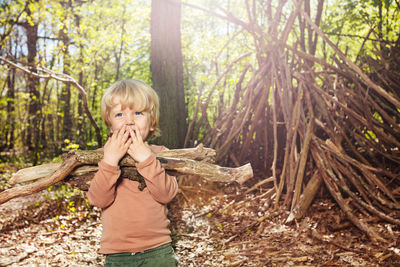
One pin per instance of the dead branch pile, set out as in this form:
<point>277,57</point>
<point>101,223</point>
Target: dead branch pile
<point>303,122</point>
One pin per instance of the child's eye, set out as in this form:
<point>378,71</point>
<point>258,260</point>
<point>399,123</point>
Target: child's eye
<point>119,114</point>
<point>138,113</point>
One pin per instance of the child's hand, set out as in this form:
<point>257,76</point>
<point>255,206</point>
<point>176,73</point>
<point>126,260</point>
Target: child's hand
<point>138,150</point>
<point>117,146</point>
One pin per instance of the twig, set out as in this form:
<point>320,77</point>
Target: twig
<point>316,235</point>
<point>257,185</point>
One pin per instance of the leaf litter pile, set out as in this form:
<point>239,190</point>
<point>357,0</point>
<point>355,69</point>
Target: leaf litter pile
<point>212,225</point>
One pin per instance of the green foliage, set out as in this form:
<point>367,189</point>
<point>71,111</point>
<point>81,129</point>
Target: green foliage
<point>348,22</point>
<point>69,146</point>
<point>64,192</point>
<point>370,135</point>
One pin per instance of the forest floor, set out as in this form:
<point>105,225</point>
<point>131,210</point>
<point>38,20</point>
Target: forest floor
<point>212,225</point>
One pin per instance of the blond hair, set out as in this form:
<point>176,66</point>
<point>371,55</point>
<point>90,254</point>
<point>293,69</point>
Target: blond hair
<point>133,94</point>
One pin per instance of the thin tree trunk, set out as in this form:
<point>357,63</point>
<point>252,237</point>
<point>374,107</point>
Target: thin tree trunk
<point>118,54</point>
<point>80,138</point>
<point>10,125</point>
<point>32,138</point>
<point>66,89</point>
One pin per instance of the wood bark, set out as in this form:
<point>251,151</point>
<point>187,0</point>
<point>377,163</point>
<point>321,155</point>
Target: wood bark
<point>64,169</point>
<point>194,161</point>
<point>306,198</point>
<point>328,177</point>
<point>31,28</point>
<point>10,125</point>
<point>167,70</point>
<point>304,152</point>
<point>65,99</point>
<point>199,153</point>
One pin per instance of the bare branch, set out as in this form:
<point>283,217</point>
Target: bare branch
<point>49,74</point>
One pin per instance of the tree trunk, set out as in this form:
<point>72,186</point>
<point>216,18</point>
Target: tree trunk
<point>66,90</point>
<point>80,138</point>
<point>167,71</point>
<point>10,125</point>
<point>119,50</point>
<point>32,138</point>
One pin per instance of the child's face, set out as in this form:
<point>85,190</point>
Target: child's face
<point>137,120</point>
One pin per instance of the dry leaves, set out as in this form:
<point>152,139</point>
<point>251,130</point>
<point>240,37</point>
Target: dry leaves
<point>209,228</point>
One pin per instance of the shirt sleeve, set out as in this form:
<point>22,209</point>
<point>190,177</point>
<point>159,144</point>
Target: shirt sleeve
<point>162,186</point>
<point>101,192</point>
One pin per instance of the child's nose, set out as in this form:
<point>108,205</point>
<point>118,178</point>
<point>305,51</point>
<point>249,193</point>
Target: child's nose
<point>130,120</point>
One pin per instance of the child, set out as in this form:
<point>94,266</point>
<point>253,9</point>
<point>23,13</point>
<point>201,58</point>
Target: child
<point>135,225</point>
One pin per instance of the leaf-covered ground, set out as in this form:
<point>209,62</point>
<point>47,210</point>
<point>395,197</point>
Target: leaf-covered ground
<point>212,225</point>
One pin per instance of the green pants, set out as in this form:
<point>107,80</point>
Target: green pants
<point>162,256</point>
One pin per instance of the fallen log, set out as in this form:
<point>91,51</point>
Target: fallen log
<point>65,168</point>
<point>82,176</point>
<point>79,167</point>
<point>92,157</point>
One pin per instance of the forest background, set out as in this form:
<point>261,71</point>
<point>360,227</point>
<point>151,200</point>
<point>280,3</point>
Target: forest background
<point>306,91</point>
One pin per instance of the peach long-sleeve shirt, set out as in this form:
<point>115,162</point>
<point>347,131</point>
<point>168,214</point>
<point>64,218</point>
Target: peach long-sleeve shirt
<point>133,220</point>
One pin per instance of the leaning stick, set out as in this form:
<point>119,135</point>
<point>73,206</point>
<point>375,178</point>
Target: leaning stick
<point>305,200</point>
<point>328,178</point>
